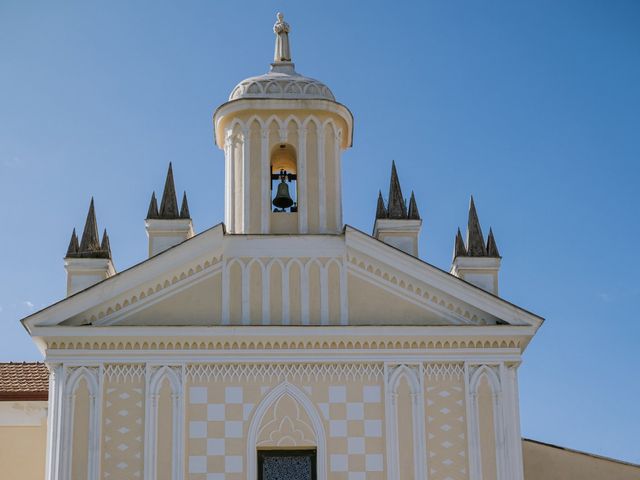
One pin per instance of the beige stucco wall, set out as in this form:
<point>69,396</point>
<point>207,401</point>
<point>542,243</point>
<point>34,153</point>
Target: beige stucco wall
<point>546,462</point>
<point>23,440</point>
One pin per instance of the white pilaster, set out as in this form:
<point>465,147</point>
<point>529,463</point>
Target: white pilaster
<point>302,181</point>
<point>228,180</point>
<point>246,180</point>
<point>245,272</point>
<point>54,421</point>
<point>266,180</point>
<point>324,295</point>
<point>322,180</point>
<point>344,296</point>
<point>286,318</point>
<point>304,294</point>
<point>338,167</point>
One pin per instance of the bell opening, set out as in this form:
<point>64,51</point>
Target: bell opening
<point>284,179</point>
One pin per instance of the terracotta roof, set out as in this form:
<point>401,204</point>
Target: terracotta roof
<point>24,381</point>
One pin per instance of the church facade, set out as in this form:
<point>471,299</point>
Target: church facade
<point>281,343</point>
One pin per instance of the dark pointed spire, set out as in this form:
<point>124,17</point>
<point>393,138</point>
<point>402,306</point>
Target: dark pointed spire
<point>413,213</point>
<point>381,211</point>
<point>169,203</point>
<point>459,250</point>
<point>184,209</point>
<point>153,207</point>
<point>90,241</point>
<point>73,245</point>
<point>475,240</point>
<point>396,206</point>
<point>492,247</point>
<point>105,245</point>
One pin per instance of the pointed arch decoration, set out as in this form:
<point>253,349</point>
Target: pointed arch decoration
<point>93,379</point>
<point>476,374</point>
<point>286,388</point>
<point>155,377</point>
<point>414,377</point>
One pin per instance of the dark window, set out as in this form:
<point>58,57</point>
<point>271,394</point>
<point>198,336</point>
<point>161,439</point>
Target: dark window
<point>286,465</point>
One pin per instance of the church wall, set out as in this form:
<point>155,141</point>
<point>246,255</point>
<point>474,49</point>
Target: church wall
<point>23,437</point>
<point>255,193</point>
<point>80,436</point>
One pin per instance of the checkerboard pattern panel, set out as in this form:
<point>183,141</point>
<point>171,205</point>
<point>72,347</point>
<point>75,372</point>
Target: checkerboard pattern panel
<point>219,414</point>
<point>217,428</point>
<point>354,414</point>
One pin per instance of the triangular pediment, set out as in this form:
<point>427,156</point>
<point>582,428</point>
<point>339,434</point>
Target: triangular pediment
<point>217,279</point>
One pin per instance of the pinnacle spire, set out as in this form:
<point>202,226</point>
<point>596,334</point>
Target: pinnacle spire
<point>396,206</point>
<point>475,240</point>
<point>90,246</point>
<point>90,241</point>
<point>105,245</point>
<point>413,213</point>
<point>459,250</point>
<point>73,245</point>
<point>169,203</point>
<point>492,247</point>
<point>153,207</point>
<point>381,211</point>
<point>184,209</point>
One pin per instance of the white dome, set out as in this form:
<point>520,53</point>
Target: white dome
<point>282,82</point>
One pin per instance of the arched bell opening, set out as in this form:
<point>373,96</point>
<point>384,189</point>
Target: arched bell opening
<point>284,179</point>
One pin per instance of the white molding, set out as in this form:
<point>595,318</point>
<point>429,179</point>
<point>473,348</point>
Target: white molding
<point>54,421</point>
<point>302,180</point>
<point>92,377</point>
<point>246,180</point>
<point>286,388</point>
<point>324,294</point>
<point>415,380</point>
<point>154,378</point>
<point>322,180</point>
<point>265,163</point>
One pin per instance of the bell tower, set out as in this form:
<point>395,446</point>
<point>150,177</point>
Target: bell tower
<point>283,135</point>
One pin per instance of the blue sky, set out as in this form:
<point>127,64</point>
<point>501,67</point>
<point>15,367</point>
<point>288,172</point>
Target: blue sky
<point>532,107</point>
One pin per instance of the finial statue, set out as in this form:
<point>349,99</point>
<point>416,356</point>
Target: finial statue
<point>281,29</point>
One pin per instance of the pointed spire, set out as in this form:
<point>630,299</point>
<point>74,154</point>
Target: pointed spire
<point>475,240</point>
<point>184,209</point>
<point>153,207</point>
<point>492,247</point>
<point>396,206</point>
<point>413,213</point>
<point>459,250</point>
<point>381,211</point>
<point>73,245</point>
<point>169,203</point>
<point>90,241</point>
<point>105,245</point>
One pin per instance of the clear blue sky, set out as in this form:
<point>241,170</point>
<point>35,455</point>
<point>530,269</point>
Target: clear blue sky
<point>532,107</point>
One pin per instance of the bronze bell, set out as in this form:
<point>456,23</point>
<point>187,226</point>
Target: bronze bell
<point>283,199</point>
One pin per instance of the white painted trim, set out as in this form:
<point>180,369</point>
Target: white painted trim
<point>265,187</point>
<point>322,180</point>
<point>245,272</point>
<point>286,388</point>
<point>338,178</point>
<point>54,421</point>
<point>246,180</point>
<point>225,292</point>
<point>324,294</point>
<point>91,375</point>
<point>152,392</point>
<point>302,181</point>
<point>395,374</point>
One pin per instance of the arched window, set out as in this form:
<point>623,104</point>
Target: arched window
<point>284,179</point>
